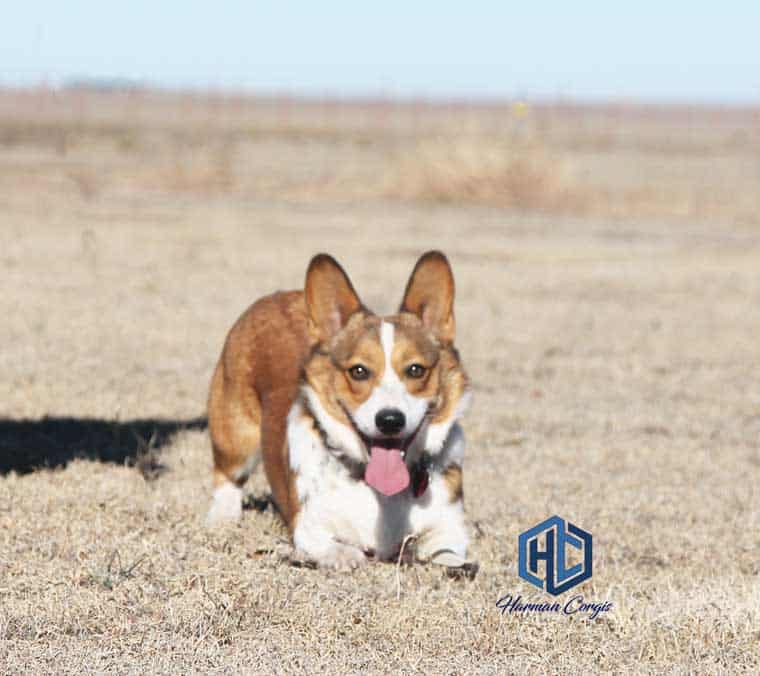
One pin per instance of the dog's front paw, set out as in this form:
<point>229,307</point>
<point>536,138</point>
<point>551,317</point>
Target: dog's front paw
<point>456,565</point>
<point>341,557</point>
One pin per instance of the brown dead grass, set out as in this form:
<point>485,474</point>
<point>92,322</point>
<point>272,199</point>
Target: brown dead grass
<point>676,164</point>
<point>472,171</point>
<point>530,176</point>
<point>613,363</point>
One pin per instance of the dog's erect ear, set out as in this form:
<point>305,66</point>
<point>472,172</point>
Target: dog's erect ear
<point>430,295</point>
<point>330,298</point>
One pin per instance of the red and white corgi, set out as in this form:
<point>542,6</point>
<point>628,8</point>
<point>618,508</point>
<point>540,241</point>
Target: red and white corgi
<point>354,415</point>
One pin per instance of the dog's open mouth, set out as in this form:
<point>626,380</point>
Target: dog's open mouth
<point>386,470</point>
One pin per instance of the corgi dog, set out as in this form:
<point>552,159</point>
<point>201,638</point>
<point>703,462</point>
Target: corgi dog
<point>353,414</point>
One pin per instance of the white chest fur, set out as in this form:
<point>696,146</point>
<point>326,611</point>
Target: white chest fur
<point>341,517</point>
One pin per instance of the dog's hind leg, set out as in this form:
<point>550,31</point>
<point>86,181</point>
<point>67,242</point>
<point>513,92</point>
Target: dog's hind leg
<point>234,418</point>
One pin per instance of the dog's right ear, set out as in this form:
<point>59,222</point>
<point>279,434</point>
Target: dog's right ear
<point>330,297</point>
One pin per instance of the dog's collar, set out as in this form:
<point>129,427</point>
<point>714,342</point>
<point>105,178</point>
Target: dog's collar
<point>354,467</point>
<point>420,475</point>
<point>419,471</point>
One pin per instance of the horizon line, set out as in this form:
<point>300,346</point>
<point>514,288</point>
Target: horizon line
<point>118,85</point>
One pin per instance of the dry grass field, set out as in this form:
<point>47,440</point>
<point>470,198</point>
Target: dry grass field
<point>608,271</point>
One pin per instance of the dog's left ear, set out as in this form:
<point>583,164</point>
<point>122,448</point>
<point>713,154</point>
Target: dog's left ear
<point>430,295</point>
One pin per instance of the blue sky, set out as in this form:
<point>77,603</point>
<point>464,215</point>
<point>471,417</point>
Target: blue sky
<point>681,51</point>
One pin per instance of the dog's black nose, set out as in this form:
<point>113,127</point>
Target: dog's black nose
<point>390,421</point>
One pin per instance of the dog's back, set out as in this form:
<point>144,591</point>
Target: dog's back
<point>253,387</point>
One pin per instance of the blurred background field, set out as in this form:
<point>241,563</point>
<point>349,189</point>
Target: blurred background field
<point>607,260</point>
<point>613,161</point>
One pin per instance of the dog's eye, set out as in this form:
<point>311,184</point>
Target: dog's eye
<point>415,371</point>
<point>358,372</point>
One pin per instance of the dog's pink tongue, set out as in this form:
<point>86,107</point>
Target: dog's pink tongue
<point>386,471</point>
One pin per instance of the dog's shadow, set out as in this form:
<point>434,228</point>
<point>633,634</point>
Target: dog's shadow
<point>27,445</point>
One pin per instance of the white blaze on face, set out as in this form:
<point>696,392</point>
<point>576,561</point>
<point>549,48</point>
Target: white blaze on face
<point>390,392</point>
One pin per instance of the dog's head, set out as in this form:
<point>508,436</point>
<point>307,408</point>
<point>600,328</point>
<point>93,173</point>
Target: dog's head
<point>384,389</point>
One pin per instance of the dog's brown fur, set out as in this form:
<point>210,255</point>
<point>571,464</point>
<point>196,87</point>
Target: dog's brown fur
<point>284,337</point>
<point>253,389</point>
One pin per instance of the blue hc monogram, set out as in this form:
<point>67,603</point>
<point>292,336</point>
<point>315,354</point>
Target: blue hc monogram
<point>558,534</point>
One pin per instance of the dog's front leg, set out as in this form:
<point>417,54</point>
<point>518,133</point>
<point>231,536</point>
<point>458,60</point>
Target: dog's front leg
<point>317,543</point>
<point>438,520</point>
